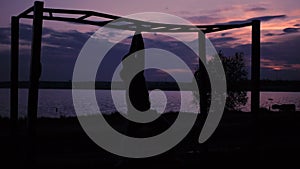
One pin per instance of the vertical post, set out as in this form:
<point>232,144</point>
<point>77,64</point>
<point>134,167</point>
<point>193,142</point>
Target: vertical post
<point>35,66</point>
<point>203,78</point>
<point>14,71</point>
<point>255,80</point>
<point>255,68</point>
<point>14,81</point>
<point>203,89</point>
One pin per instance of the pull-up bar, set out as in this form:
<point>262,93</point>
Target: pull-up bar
<point>38,13</point>
<point>132,24</point>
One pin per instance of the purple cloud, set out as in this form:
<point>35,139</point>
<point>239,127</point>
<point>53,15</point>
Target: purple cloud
<point>291,30</point>
<point>285,32</point>
<point>261,18</point>
<point>203,19</point>
<point>257,9</point>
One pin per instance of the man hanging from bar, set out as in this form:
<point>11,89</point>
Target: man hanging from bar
<point>133,69</point>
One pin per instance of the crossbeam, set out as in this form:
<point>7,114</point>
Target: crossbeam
<point>132,24</point>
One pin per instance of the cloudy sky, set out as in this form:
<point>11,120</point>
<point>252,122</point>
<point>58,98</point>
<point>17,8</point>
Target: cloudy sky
<point>62,41</point>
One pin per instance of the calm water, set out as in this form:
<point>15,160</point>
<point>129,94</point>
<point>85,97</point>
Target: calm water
<point>57,102</point>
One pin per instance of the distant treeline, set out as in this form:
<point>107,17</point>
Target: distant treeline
<point>266,85</point>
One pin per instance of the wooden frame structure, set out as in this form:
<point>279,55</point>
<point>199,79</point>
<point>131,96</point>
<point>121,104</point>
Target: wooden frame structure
<point>38,13</point>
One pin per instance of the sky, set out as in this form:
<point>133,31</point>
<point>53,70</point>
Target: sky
<point>280,33</point>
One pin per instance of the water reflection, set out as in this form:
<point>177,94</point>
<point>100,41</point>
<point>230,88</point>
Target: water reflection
<point>58,102</point>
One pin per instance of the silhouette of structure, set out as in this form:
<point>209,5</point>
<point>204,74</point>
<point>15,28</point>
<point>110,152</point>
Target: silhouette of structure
<point>38,13</point>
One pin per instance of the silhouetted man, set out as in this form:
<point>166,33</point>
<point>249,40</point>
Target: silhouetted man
<point>135,62</point>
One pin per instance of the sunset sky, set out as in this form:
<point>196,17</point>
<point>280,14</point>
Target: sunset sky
<point>280,32</point>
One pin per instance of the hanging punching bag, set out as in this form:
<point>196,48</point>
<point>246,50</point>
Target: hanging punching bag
<point>135,61</point>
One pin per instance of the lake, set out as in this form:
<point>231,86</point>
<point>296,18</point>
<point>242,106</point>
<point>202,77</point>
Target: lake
<point>58,102</point>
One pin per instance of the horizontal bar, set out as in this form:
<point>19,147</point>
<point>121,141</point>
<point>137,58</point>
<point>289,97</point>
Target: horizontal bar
<point>103,23</point>
<point>66,11</point>
<point>84,17</point>
<point>26,12</point>
<point>74,20</point>
<point>227,27</point>
<point>138,23</point>
<point>71,11</point>
<point>109,16</point>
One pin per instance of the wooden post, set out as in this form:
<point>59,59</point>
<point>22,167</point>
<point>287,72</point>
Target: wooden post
<point>255,69</point>
<point>35,66</point>
<point>203,91</point>
<point>14,72</point>
<point>255,80</point>
<point>14,81</point>
<point>202,71</point>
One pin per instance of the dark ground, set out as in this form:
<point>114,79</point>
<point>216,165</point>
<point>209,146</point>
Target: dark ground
<point>61,143</point>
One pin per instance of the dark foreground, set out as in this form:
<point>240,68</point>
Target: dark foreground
<point>237,143</point>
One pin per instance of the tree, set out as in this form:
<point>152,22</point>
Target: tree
<point>236,74</point>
